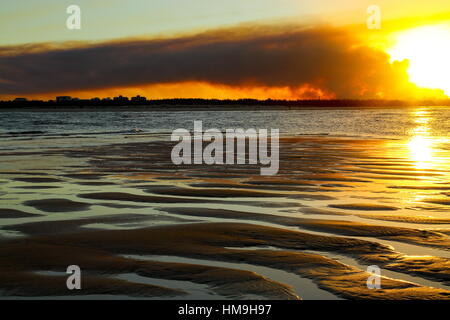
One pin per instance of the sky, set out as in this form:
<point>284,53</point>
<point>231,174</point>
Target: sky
<point>287,49</point>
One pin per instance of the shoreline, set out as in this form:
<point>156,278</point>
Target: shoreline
<point>125,211</point>
<point>181,108</point>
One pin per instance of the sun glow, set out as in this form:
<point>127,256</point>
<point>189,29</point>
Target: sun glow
<point>421,145</point>
<point>428,51</point>
<point>421,152</point>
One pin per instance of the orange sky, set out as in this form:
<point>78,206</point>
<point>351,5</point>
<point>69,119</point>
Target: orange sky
<point>265,56</point>
<point>202,90</point>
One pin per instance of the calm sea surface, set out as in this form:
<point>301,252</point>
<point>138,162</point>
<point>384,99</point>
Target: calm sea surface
<point>386,169</point>
<point>378,123</point>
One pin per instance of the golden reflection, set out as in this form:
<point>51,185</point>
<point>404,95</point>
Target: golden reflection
<point>421,152</point>
<point>421,145</point>
<point>421,117</point>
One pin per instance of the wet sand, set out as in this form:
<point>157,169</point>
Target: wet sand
<point>337,206</point>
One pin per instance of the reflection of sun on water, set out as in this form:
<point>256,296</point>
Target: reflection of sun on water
<point>421,152</point>
<point>421,145</point>
<point>421,117</point>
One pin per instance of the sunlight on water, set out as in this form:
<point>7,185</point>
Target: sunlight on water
<point>421,152</point>
<point>421,145</point>
<point>378,175</point>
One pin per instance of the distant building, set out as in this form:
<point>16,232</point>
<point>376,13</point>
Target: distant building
<point>63,98</point>
<point>120,98</point>
<point>95,99</point>
<point>139,98</point>
<point>20,99</point>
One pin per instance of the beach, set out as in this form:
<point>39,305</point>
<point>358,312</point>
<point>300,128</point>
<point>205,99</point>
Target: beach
<point>355,188</point>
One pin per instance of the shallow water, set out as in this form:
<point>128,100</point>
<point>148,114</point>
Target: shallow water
<point>385,168</point>
<point>69,128</point>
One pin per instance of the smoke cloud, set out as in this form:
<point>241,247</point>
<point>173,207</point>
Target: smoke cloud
<point>324,58</point>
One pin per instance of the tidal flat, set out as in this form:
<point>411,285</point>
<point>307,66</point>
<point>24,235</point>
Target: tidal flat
<point>141,227</point>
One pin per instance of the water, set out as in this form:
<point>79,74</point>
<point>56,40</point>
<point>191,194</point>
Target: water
<point>390,123</point>
<point>398,157</point>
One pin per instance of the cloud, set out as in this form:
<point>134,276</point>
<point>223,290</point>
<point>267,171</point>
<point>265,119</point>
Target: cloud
<point>329,59</point>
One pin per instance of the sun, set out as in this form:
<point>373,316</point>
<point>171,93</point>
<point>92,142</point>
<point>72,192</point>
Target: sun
<point>428,50</point>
